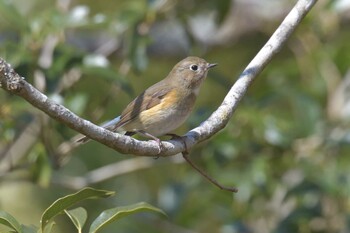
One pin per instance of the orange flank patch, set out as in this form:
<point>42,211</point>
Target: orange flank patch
<point>161,110</point>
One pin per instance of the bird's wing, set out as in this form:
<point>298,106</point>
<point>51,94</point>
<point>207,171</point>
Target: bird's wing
<point>144,101</point>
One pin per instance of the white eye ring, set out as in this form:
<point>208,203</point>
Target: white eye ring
<point>194,67</point>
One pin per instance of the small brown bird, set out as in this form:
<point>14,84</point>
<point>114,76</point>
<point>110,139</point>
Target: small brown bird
<point>164,106</point>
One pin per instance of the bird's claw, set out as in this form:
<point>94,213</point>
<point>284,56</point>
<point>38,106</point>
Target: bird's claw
<point>160,148</point>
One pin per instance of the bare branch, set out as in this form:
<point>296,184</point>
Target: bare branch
<point>12,82</point>
<point>206,176</point>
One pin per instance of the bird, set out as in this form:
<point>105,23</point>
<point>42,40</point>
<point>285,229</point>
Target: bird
<point>164,106</point>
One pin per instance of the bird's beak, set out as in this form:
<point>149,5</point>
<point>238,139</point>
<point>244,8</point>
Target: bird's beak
<point>211,65</point>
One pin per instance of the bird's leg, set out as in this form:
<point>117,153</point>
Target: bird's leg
<point>145,134</point>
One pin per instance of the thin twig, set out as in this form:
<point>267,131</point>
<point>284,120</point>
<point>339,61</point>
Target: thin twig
<point>185,155</point>
<point>209,178</point>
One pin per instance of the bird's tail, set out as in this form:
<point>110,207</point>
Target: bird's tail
<point>108,125</point>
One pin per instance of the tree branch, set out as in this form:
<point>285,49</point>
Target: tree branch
<point>12,82</point>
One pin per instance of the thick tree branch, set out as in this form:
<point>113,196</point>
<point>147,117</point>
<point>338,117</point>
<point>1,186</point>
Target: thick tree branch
<point>12,82</point>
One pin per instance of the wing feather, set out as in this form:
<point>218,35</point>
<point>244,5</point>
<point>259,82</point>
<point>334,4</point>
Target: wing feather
<point>144,101</point>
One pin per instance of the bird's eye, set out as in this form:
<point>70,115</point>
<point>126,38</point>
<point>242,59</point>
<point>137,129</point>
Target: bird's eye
<point>194,67</point>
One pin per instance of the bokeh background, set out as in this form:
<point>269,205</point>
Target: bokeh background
<point>286,148</point>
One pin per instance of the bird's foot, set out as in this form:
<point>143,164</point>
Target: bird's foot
<point>160,147</point>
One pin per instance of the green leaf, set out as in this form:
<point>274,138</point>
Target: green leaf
<point>111,215</point>
<point>9,221</point>
<point>63,203</point>
<point>78,217</point>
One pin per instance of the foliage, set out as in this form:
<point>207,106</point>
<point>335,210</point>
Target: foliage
<point>78,215</point>
<point>286,148</point>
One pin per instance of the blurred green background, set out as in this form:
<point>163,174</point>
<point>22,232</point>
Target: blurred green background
<point>286,148</point>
